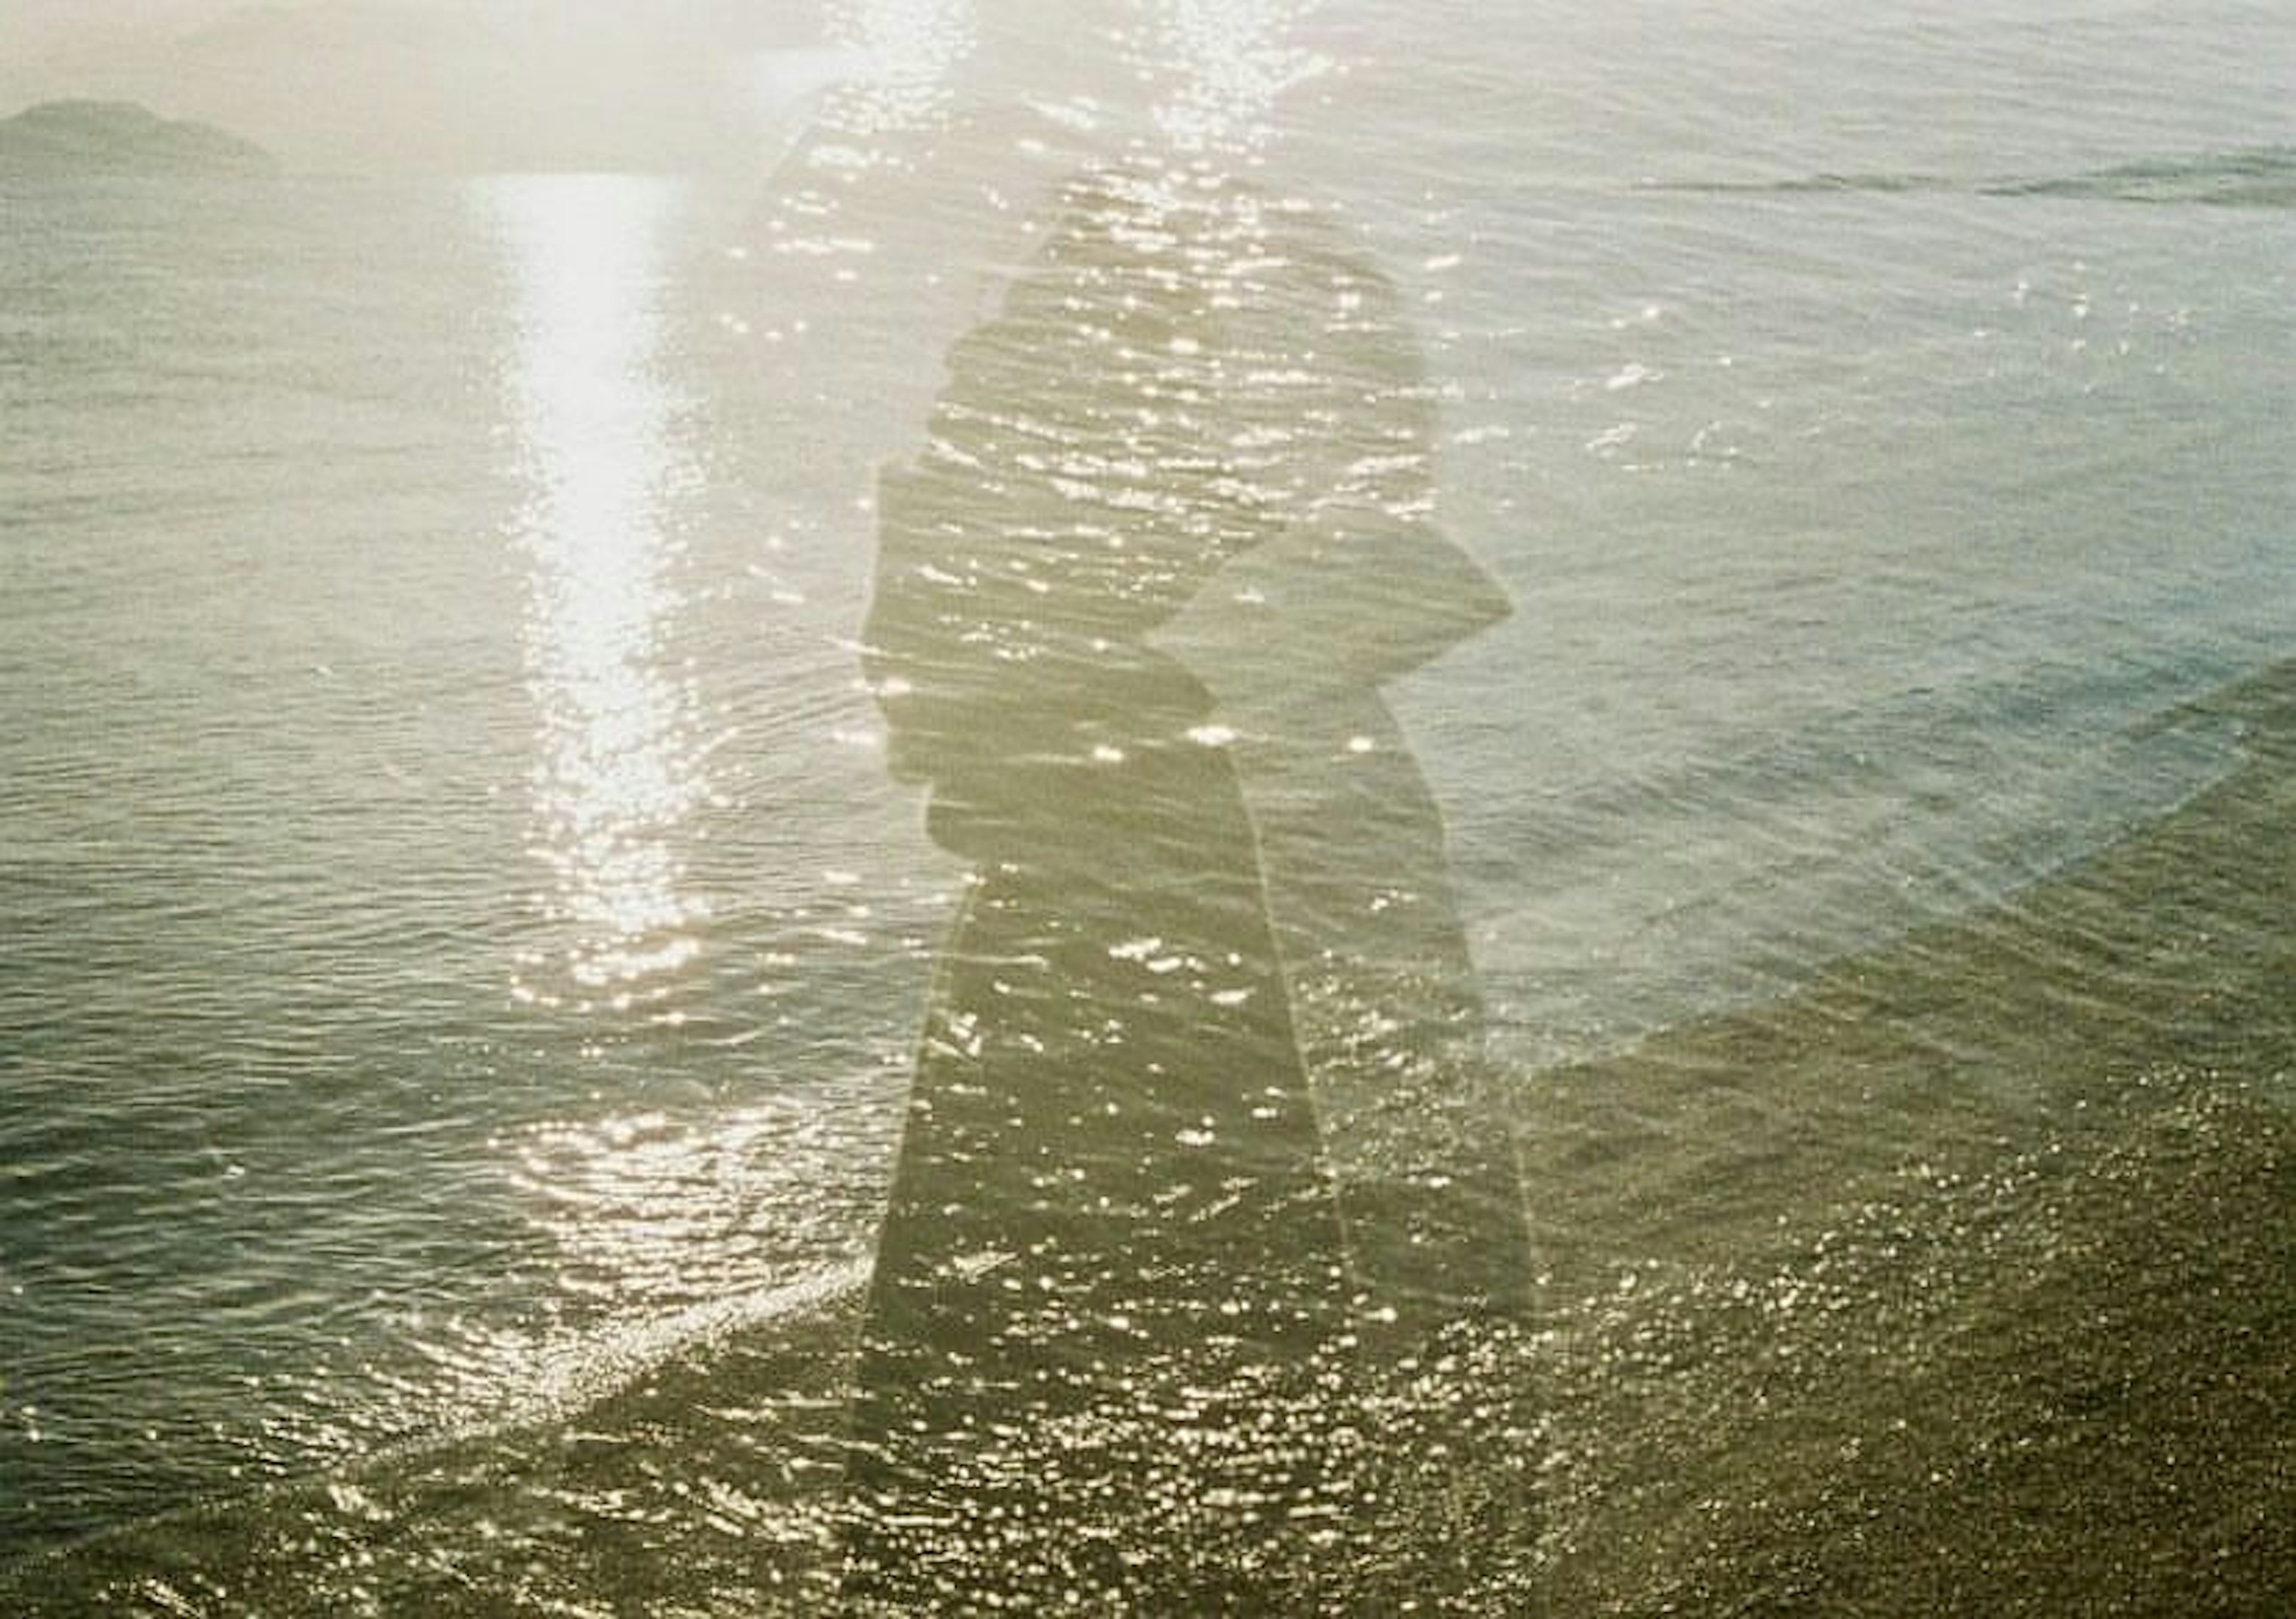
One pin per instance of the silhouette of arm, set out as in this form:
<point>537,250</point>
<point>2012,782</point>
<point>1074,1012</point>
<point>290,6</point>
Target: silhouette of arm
<point>1349,598</point>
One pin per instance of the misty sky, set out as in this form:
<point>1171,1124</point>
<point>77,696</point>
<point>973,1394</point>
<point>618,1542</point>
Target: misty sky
<point>52,23</point>
<point>421,85</point>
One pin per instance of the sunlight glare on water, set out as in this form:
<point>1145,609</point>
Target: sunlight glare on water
<point>619,771</point>
<point>906,49</point>
<point>1196,807</point>
<point>656,1211</point>
<point>1236,60</point>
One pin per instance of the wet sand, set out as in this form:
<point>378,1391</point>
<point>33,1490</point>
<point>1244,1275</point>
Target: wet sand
<point>1965,1280</point>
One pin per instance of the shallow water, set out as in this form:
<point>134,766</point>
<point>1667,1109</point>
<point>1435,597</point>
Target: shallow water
<point>1655,649</point>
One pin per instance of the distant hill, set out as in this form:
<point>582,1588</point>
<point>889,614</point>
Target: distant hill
<point>431,86</point>
<point>73,139</point>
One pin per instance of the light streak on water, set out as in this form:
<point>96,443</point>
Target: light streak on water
<point>1236,60</point>
<point>618,771</point>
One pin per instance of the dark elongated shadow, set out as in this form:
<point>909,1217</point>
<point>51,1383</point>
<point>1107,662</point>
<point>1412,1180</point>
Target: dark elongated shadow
<point>2242,178</point>
<point>1200,1158</point>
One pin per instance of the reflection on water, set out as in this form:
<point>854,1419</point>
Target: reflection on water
<point>1235,58</point>
<point>619,766</point>
<point>650,1211</point>
<point>1199,1154</point>
<point>904,51</point>
<point>1964,1271</point>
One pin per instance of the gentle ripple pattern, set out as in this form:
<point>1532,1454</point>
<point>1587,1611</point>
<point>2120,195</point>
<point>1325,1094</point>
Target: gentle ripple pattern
<point>1261,807</point>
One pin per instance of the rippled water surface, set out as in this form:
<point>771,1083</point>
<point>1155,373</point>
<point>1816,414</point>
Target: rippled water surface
<point>1223,808</point>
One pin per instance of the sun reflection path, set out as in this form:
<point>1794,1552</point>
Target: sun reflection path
<point>1235,58</point>
<point>618,751</point>
<point>906,51</point>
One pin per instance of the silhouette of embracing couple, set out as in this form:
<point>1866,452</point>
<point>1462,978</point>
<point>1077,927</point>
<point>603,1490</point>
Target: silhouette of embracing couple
<point>1202,1158</point>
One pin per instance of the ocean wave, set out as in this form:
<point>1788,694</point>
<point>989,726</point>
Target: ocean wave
<point>2259,176</point>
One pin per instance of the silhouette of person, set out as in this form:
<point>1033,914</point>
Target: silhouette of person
<point>1125,1269</point>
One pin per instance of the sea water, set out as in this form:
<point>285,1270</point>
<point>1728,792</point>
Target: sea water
<point>461,945</point>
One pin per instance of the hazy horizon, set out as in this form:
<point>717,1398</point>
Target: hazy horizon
<point>423,86</point>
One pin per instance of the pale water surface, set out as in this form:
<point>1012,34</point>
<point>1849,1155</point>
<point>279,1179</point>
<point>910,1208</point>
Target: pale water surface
<point>1619,631</point>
